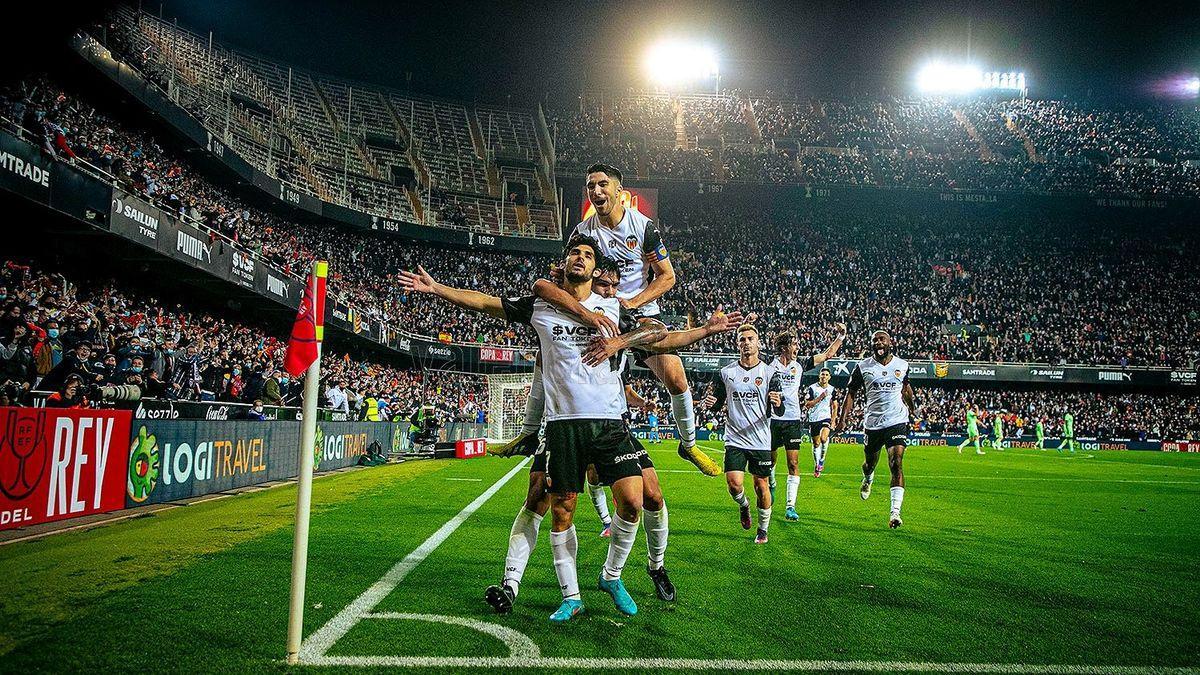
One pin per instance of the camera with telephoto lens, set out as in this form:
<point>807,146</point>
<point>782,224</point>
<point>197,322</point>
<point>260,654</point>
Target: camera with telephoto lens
<point>114,393</point>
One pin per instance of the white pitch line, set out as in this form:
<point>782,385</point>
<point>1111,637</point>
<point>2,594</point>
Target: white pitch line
<point>469,480</point>
<point>652,664</point>
<point>519,645</point>
<point>319,642</point>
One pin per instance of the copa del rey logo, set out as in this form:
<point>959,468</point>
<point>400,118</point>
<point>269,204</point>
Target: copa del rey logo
<point>59,464</point>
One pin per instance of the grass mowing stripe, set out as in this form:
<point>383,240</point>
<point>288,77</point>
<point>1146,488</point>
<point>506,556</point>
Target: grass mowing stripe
<point>320,642</point>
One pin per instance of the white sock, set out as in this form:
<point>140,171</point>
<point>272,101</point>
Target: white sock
<point>897,499</point>
<point>656,536</point>
<point>764,519</point>
<point>535,405</point>
<point>685,417</point>
<point>771,479</point>
<point>624,533</point>
<point>816,453</point>
<point>870,477</point>
<point>564,546</point>
<point>741,500</point>
<point>600,501</point>
<point>793,486</point>
<point>521,541</point>
<point>824,450</point>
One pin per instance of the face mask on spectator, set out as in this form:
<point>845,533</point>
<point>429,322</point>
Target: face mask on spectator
<point>53,332</point>
<point>258,408</point>
<point>136,369</point>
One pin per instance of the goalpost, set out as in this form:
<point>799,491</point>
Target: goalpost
<point>507,393</point>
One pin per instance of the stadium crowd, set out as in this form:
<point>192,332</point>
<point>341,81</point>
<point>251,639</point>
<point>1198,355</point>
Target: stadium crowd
<point>1034,288</point>
<point>69,337</point>
<point>1027,145</point>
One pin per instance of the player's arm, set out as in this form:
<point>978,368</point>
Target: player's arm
<point>716,395</point>
<point>832,350</point>
<point>655,252</point>
<point>906,394</point>
<point>633,399</point>
<point>554,294</point>
<point>718,323</point>
<point>810,402</point>
<point>645,333</point>
<point>833,409</point>
<point>856,383</point>
<point>421,282</point>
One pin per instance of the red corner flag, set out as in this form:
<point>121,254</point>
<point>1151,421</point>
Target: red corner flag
<point>309,329</point>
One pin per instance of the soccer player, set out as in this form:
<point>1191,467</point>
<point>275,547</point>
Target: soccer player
<point>787,428</point>
<point>1040,432</point>
<point>745,384</point>
<point>633,240</point>
<point>998,430</point>
<point>583,408</point>
<point>1068,432</point>
<point>889,398</point>
<point>822,408</point>
<point>972,431</point>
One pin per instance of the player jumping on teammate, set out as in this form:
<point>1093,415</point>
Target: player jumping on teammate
<point>889,398</point>
<point>633,240</point>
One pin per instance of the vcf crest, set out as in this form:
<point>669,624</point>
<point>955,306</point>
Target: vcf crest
<point>631,242</point>
<point>23,452</point>
<point>941,369</point>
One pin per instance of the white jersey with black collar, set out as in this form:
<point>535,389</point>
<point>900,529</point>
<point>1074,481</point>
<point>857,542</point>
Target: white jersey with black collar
<point>629,243</point>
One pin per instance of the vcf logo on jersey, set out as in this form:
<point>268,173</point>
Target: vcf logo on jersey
<point>61,464</point>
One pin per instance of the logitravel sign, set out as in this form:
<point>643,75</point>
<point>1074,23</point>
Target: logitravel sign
<point>57,464</point>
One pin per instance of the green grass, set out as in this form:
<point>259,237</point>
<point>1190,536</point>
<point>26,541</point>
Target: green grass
<point>1012,557</point>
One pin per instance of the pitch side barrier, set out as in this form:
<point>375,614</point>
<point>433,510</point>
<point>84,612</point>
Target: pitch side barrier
<point>60,464</point>
<point>668,433</point>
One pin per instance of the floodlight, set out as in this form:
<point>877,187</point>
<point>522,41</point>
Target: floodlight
<point>674,63</point>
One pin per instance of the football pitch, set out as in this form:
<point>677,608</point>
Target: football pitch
<point>1015,561</point>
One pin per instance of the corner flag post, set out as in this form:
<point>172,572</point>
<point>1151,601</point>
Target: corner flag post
<point>312,311</point>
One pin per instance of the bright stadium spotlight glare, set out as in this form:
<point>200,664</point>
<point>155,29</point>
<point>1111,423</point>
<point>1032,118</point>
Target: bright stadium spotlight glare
<point>674,64</point>
<point>1192,86</point>
<point>942,78</point>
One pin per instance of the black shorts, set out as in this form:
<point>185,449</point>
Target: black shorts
<point>539,458</point>
<point>787,434</point>
<point>644,459</point>
<point>887,437</point>
<point>640,355</point>
<point>571,445</point>
<point>814,428</point>
<point>760,461</point>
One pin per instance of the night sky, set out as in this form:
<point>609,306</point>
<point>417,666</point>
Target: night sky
<point>487,51</point>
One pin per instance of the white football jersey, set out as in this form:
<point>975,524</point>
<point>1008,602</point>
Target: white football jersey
<point>822,410</point>
<point>789,377</point>
<point>748,424</point>
<point>884,385</point>
<point>573,390</point>
<point>635,237</point>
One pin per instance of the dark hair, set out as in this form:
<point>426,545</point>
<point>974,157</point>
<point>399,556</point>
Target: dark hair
<point>783,339</point>
<point>606,265</point>
<point>603,262</point>
<point>601,167</point>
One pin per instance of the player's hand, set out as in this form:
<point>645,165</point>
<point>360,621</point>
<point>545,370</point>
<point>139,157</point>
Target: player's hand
<point>629,306</point>
<point>841,328</point>
<point>776,398</point>
<point>720,322</point>
<point>419,281</point>
<point>607,327</point>
<point>709,401</point>
<point>600,350</point>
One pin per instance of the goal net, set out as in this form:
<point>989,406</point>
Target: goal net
<point>507,393</point>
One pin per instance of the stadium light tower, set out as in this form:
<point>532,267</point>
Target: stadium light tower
<point>959,79</point>
<point>673,64</point>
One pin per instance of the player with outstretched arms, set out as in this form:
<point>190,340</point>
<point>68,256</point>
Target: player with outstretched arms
<point>584,401</point>
<point>633,240</point>
<point>788,427</point>
<point>883,377</point>
<point>745,386</point>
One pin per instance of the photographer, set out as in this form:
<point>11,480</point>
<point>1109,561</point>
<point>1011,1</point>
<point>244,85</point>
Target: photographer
<point>69,395</point>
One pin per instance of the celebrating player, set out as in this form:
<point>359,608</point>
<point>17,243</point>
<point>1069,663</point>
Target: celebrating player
<point>633,240</point>
<point>787,428</point>
<point>745,385</point>
<point>821,411</point>
<point>889,398</point>
<point>972,431</point>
